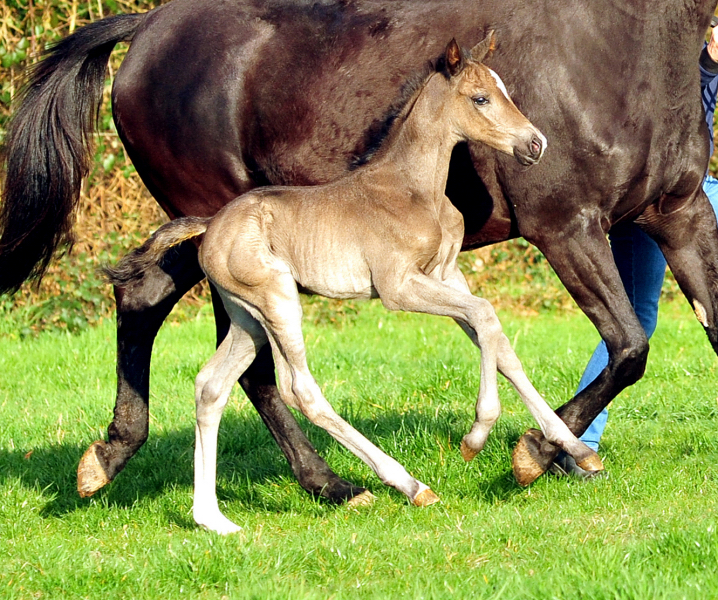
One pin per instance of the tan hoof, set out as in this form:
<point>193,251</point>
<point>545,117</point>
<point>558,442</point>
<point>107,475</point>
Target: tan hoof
<point>467,453</point>
<point>425,498</point>
<point>90,474</point>
<point>526,469</point>
<point>592,463</point>
<point>366,498</point>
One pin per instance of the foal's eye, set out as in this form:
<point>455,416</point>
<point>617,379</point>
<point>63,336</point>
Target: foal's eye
<point>480,100</point>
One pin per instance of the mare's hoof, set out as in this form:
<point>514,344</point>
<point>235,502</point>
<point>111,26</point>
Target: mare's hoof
<point>525,461</point>
<point>90,474</point>
<point>425,498</point>
<point>338,491</point>
<point>366,498</point>
<point>467,453</point>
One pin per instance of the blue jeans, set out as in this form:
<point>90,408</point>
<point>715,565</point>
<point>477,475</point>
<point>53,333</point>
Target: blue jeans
<point>642,267</point>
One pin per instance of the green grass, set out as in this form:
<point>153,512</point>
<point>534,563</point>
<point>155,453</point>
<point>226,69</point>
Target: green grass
<point>409,383</point>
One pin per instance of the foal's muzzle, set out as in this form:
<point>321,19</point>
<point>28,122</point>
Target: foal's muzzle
<point>531,153</point>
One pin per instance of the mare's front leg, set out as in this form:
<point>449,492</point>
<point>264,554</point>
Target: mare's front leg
<point>581,256</point>
<point>688,238</point>
<point>476,316</point>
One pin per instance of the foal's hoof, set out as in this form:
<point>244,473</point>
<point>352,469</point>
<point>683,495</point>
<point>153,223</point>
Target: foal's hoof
<point>90,474</point>
<point>467,453</point>
<point>592,463</point>
<point>527,460</point>
<point>366,498</point>
<point>566,466</point>
<point>425,498</point>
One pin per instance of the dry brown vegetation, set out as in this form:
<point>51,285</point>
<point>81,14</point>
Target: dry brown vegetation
<point>116,211</point>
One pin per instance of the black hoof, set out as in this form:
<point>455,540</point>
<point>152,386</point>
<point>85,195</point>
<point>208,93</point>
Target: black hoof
<point>340,491</point>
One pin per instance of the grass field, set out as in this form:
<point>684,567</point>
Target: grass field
<point>409,383</point>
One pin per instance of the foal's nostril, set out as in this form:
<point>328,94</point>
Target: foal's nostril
<point>536,146</point>
<point>530,153</point>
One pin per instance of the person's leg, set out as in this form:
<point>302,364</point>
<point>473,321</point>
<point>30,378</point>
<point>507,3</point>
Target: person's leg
<point>710,187</point>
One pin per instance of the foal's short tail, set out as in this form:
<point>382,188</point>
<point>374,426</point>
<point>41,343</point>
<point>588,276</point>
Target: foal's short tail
<point>49,147</point>
<point>133,266</point>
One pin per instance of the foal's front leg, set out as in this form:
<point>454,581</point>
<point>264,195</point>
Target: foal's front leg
<point>476,316</point>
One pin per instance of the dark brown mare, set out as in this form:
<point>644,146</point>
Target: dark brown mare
<point>217,97</point>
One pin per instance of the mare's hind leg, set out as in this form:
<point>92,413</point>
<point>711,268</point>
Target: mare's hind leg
<point>212,389</point>
<point>476,316</point>
<point>142,307</point>
<point>258,382</point>
<point>280,312</point>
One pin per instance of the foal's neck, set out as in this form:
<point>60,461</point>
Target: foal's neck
<point>421,147</point>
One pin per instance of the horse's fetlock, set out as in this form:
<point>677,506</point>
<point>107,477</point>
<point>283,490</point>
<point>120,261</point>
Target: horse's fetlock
<point>489,415</point>
<point>128,431</point>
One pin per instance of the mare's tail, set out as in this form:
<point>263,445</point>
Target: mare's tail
<point>49,147</point>
<point>133,266</point>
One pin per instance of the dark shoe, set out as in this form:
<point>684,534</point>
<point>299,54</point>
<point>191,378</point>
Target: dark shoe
<point>565,466</point>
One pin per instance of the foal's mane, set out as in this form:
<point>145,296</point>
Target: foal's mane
<point>381,129</point>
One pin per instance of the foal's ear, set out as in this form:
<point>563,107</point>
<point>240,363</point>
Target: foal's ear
<point>454,58</point>
<point>484,48</point>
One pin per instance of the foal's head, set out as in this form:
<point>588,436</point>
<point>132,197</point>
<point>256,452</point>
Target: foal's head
<point>481,107</point>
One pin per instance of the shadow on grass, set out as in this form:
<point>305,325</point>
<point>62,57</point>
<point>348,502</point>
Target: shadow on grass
<point>248,458</point>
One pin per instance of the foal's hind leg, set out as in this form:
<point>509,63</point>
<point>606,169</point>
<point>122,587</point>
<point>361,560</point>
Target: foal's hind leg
<point>212,389</point>
<point>258,382</point>
<point>280,312</point>
<point>142,307</point>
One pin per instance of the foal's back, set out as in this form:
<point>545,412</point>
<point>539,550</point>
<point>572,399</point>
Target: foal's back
<point>330,238</point>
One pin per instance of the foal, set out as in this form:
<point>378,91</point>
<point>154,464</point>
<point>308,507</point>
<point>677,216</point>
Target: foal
<point>385,230</point>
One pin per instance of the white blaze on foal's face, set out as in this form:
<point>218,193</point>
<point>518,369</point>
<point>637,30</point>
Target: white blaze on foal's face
<point>494,118</point>
<point>500,83</point>
<point>502,87</point>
